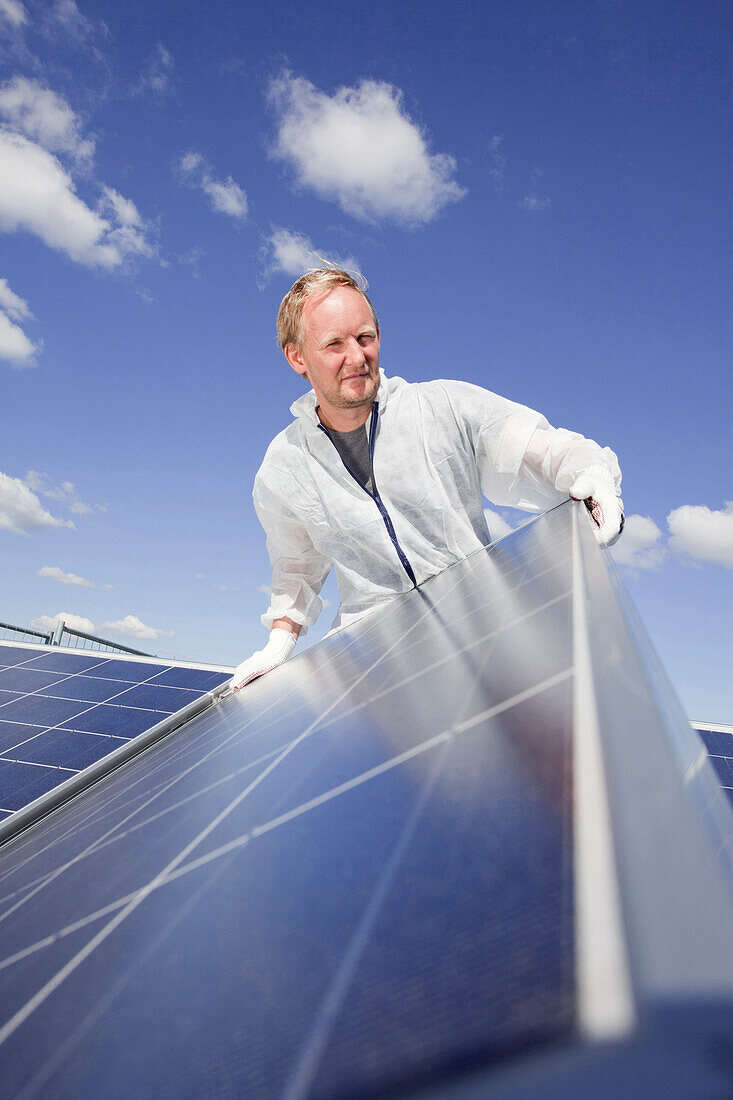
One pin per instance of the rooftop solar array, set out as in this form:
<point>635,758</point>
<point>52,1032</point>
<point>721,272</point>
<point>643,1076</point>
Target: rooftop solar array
<point>395,866</point>
<point>61,711</point>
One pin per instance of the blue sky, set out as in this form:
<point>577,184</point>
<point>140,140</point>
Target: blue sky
<point>538,194</point>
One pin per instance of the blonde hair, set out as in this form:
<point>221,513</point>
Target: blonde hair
<point>316,283</point>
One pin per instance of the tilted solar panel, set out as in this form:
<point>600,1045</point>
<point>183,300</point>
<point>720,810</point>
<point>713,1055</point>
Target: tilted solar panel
<point>62,710</point>
<point>388,868</point>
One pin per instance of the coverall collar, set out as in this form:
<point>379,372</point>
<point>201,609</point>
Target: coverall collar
<point>305,406</point>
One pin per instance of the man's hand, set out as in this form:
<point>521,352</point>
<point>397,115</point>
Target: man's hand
<point>277,650</point>
<point>596,488</point>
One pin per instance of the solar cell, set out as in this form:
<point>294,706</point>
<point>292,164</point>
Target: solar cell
<point>11,734</point>
<point>363,875</point>
<point>62,710</point>
<point>26,679</point>
<point>66,749</point>
<point>11,654</point>
<point>87,688</point>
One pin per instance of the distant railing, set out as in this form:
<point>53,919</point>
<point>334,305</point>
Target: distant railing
<point>66,636</point>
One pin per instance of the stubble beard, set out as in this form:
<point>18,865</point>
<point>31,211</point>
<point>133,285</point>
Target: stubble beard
<point>340,401</point>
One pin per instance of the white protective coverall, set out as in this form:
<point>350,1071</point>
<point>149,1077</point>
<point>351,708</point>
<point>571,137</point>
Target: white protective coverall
<point>437,446</point>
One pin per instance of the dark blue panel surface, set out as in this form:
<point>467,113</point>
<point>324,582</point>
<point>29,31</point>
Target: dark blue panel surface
<point>717,742</point>
<point>719,745</point>
<point>124,670</point>
<point>13,733</point>
<point>90,688</point>
<point>41,710</point>
<point>198,679</point>
<point>155,697</point>
<point>48,709</point>
<point>66,749</point>
<point>21,783</point>
<point>108,718</point>
<point>16,655</point>
<point>58,660</point>
<point>724,768</point>
<point>352,877</point>
<point>26,679</point>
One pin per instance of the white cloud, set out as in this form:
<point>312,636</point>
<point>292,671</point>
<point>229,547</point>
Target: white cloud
<point>38,195</point>
<point>65,493</point>
<point>265,588</point>
<point>20,509</point>
<point>361,149</point>
<point>129,236</point>
<point>13,12</point>
<point>32,109</point>
<point>76,622</point>
<point>700,532</point>
<point>12,304</point>
<point>132,627</point>
<point>156,73</point>
<point>55,574</point>
<point>67,15</point>
<point>15,346</point>
<point>640,545</point>
<point>62,23</point>
<point>293,253</point>
<point>498,526</point>
<point>225,195</point>
<point>534,200</point>
<point>35,481</point>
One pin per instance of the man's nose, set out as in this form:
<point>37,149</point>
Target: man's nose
<point>354,353</point>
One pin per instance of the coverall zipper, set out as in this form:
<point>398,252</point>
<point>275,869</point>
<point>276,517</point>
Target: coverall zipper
<point>404,560</point>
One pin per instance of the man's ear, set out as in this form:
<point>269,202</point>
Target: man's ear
<point>294,356</point>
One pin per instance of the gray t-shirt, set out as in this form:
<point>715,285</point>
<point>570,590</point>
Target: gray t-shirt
<point>354,450</point>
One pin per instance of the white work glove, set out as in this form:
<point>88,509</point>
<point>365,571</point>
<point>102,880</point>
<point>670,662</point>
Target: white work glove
<point>277,650</point>
<point>595,486</point>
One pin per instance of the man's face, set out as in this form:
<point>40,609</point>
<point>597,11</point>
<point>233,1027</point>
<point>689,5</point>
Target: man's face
<point>340,353</point>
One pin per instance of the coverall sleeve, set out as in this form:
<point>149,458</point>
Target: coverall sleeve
<point>523,462</point>
<point>298,569</point>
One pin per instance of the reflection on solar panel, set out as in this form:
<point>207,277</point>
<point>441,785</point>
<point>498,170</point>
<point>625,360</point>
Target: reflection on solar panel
<point>718,740</point>
<point>455,850</point>
<point>61,711</point>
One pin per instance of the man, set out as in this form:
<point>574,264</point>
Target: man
<point>382,479</point>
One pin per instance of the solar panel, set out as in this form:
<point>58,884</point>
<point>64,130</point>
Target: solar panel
<point>61,711</point>
<point>718,742</point>
<point>368,874</point>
